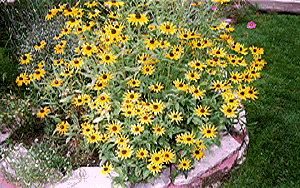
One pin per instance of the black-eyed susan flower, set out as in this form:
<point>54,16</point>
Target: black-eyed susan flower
<point>200,111</point>
<point>197,153</point>
<point>208,131</point>
<point>57,62</point>
<point>136,129</point>
<point>109,4</point>
<point>103,98</point>
<point>151,43</point>
<point>134,83</point>
<point>105,76</point>
<point>124,38</point>
<point>228,110</point>
<point>77,62</point>
<point>251,93</point>
<point>93,13</point>
<point>114,128</point>
<point>41,64</point>
<point>67,72</point>
<point>180,85</point>
<point>157,107</point>
<point>241,49</point>
<point>56,82</point>
<point>38,74</point>
<point>185,164</point>
<point>40,45</point>
<point>62,127</point>
<point>132,96</point>
<point>156,158</point>
<point>125,152</point>
<point>21,79</point>
<point>180,138</point>
<point>236,77</point>
<point>175,116</point>
<point>122,140</point>
<point>87,130</point>
<point>106,169</point>
<point>148,69</point>
<point>200,144</point>
<point>43,112</point>
<point>192,76</point>
<point>88,49</point>
<point>256,50</point>
<point>218,52</point>
<point>154,168</point>
<point>186,34</point>
<point>172,56</point>
<point>178,49</point>
<point>197,93</point>
<point>151,27</point>
<point>167,28</point>
<point>168,155</point>
<point>78,101</point>
<point>217,85</point>
<point>159,130</point>
<point>88,25</point>
<point>163,44</point>
<point>57,36</point>
<point>188,138</point>
<point>129,112</point>
<point>51,13</point>
<point>156,88</point>
<point>141,153</point>
<point>25,59</point>
<point>72,23</point>
<point>108,58</point>
<point>137,18</point>
<point>93,137</point>
<point>103,137</point>
<point>247,77</point>
<point>196,3</point>
<point>146,118</point>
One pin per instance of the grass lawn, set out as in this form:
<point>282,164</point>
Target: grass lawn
<point>273,156</point>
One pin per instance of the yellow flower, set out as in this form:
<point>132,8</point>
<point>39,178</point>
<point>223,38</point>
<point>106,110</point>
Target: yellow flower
<point>106,169</point>
<point>141,153</point>
<point>137,129</point>
<point>62,127</point>
<point>43,112</point>
<point>137,18</point>
<point>184,164</point>
<point>167,28</point>
<point>56,82</point>
<point>200,111</point>
<point>208,131</point>
<point>159,130</point>
<point>175,116</point>
<point>40,45</point>
<point>125,152</point>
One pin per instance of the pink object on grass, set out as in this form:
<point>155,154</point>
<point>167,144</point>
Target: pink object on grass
<point>251,25</point>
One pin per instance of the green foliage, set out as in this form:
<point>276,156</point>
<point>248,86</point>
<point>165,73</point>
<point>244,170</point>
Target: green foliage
<point>41,165</point>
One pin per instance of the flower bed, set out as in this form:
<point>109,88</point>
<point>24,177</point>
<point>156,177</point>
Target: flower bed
<point>146,85</point>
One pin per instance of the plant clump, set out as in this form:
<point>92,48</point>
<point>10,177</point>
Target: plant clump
<point>149,85</point>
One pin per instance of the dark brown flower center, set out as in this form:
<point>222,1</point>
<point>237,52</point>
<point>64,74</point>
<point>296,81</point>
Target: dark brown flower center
<point>114,128</point>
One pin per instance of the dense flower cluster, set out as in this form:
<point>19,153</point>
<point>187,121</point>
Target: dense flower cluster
<point>145,81</point>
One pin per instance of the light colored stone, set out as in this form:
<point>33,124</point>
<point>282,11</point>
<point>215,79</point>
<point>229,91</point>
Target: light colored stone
<point>3,137</point>
<point>162,182</point>
<point>88,177</point>
<point>217,155</point>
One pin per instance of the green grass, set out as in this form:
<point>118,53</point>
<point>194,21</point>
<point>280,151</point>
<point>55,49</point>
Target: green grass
<point>273,153</point>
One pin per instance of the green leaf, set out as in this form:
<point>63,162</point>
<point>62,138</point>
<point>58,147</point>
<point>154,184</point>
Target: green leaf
<point>175,173</point>
<point>183,153</point>
<point>177,106</point>
<point>146,174</point>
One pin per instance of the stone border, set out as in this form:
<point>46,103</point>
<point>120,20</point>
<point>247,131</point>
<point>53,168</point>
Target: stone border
<point>207,173</point>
